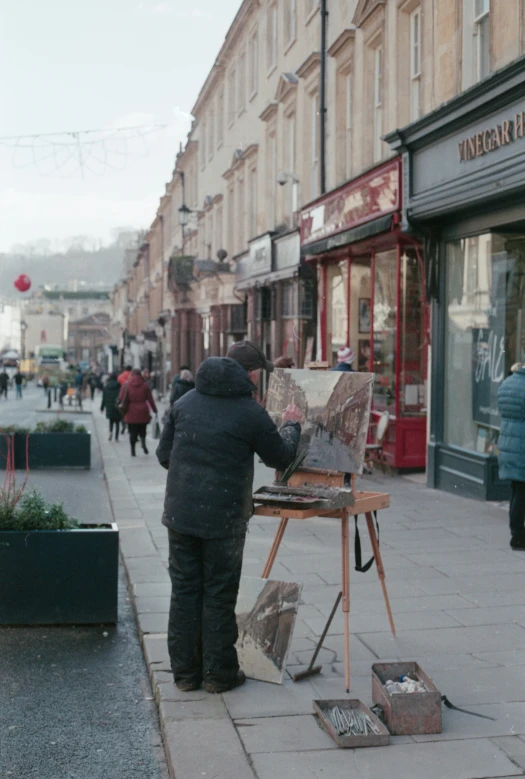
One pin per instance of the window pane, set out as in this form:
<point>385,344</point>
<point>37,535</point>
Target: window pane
<point>337,282</point>
<point>486,314</point>
<point>385,308</point>
<point>413,368</point>
<point>481,7</point>
<point>483,47</point>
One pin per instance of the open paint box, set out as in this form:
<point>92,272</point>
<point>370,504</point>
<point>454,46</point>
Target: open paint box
<point>407,714</point>
<point>380,738</point>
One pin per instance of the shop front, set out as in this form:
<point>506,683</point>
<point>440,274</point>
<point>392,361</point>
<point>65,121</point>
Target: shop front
<point>466,195</point>
<point>371,298</point>
<point>281,296</point>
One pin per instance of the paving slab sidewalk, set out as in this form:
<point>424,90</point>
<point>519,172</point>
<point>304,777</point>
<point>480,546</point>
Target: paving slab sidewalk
<point>457,595</point>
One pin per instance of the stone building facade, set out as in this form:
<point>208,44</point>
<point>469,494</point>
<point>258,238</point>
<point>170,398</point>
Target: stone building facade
<point>252,168</point>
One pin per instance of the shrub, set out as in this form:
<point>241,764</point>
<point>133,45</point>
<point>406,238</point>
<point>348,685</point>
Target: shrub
<point>33,513</point>
<point>15,429</point>
<point>80,429</point>
<point>57,426</point>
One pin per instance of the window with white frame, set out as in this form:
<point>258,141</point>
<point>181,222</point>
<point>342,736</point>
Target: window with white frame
<point>348,125</point>
<point>253,202</point>
<point>254,64</point>
<point>481,31</point>
<point>218,228</point>
<point>271,36</point>
<point>314,142</point>
<point>202,144</point>
<point>241,83</point>
<point>211,133</point>
<point>230,238</point>
<point>378,102</point>
<point>290,21</point>
<point>231,96</point>
<point>220,118</point>
<point>415,63</point>
<point>241,216</point>
<point>271,179</point>
<point>290,161</point>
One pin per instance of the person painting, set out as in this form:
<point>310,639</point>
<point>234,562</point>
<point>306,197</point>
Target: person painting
<point>138,400</point>
<point>208,446</point>
<point>345,358</point>
<point>110,393</point>
<point>511,444</point>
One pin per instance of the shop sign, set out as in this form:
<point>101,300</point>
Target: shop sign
<point>492,138</point>
<point>261,255</point>
<point>373,195</point>
<point>287,252</point>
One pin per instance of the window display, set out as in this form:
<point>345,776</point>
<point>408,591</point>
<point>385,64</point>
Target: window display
<point>413,363</point>
<point>485,307</point>
<point>384,314</point>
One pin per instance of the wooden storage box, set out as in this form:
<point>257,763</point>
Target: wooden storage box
<point>407,714</point>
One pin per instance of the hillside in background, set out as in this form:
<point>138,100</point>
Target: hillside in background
<point>81,261</point>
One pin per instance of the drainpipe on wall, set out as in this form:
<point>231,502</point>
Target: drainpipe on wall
<point>322,101</point>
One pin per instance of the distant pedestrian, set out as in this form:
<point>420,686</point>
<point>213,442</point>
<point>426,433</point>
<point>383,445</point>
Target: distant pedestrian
<point>79,387</point>
<point>177,376</point>
<point>125,375</point>
<point>4,383</point>
<point>45,383</point>
<point>110,395</point>
<point>93,385</point>
<point>345,358</point>
<point>19,382</point>
<point>208,446</point>
<point>139,402</point>
<point>511,445</point>
<point>183,384</point>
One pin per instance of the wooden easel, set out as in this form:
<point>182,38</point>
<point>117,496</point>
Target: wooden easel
<point>365,503</point>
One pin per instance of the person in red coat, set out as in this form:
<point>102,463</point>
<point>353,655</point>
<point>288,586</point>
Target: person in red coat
<point>136,396</point>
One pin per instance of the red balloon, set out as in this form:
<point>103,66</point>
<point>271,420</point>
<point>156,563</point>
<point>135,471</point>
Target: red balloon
<point>23,283</point>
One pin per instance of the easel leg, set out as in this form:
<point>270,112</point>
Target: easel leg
<point>346,591</point>
<point>275,547</point>
<point>380,569</point>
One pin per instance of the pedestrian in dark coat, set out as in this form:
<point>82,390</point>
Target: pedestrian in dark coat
<point>345,358</point>
<point>4,383</point>
<point>511,444</point>
<point>110,393</point>
<point>183,384</point>
<point>208,446</point>
<point>137,396</point>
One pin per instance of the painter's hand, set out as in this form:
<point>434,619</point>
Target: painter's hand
<point>292,413</point>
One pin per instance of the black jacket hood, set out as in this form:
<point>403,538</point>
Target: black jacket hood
<point>223,377</point>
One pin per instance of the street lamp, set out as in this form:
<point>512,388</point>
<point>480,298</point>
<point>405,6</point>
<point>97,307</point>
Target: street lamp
<point>184,215</point>
<point>23,328</point>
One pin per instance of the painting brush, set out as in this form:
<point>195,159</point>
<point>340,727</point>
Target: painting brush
<point>289,472</point>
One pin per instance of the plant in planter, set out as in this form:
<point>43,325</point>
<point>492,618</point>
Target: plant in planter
<point>56,444</point>
<point>52,569</point>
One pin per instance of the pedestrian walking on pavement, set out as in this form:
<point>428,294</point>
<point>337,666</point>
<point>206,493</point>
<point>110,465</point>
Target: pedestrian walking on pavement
<point>511,445</point>
<point>175,379</point>
<point>139,401</point>
<point>208,446</point>
<point>125,376</point>
<point>110,395</point>
<point>19,382</point>
<point>345,358</point>
<point>4,383</point>
<point>183,384</point>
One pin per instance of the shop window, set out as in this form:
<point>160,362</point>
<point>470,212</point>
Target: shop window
<point>289,299</point>
<point>264,304</point>
<point>485,334</point>
<point>307,290</point>
<point>337,308</point>
<point>415,63</point>
<point>412,369</point>
<point>239,319</point>
<point>384,316</point>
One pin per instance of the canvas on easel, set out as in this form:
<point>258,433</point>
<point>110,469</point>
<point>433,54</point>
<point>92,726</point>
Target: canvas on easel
<point>336,413</point>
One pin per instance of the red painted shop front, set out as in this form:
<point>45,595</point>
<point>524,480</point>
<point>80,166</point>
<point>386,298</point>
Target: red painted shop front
<point>371,297</point>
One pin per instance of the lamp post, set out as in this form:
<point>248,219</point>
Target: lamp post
<point>23,328</point>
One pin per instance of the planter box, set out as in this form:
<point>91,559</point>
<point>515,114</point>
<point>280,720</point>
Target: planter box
<point>50,450</point>
<point>59,577</point>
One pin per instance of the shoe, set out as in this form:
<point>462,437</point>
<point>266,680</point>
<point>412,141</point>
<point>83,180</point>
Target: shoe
<point>187,685</point>
<point>218,687</point>
<point>110,437</point>
<point>517,543</point>
<point>133,454</point>
<point>144,449</point>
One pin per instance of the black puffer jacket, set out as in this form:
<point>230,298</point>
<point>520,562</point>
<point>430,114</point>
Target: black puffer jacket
<point>208,444</point>
<point>180,388</point>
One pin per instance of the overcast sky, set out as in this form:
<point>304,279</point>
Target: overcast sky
<point>70,66</point>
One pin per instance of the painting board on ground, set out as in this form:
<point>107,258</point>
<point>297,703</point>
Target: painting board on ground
<point>336,414</point>
<point>266,612</point>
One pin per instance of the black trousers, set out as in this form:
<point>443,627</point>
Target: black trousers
<point>114,423</point>
<point>136,432</point>
<point>202,629</point>
<point>517,509</point>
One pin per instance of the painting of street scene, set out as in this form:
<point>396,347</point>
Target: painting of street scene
<point>336,411</point>
<point>266,612</point>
